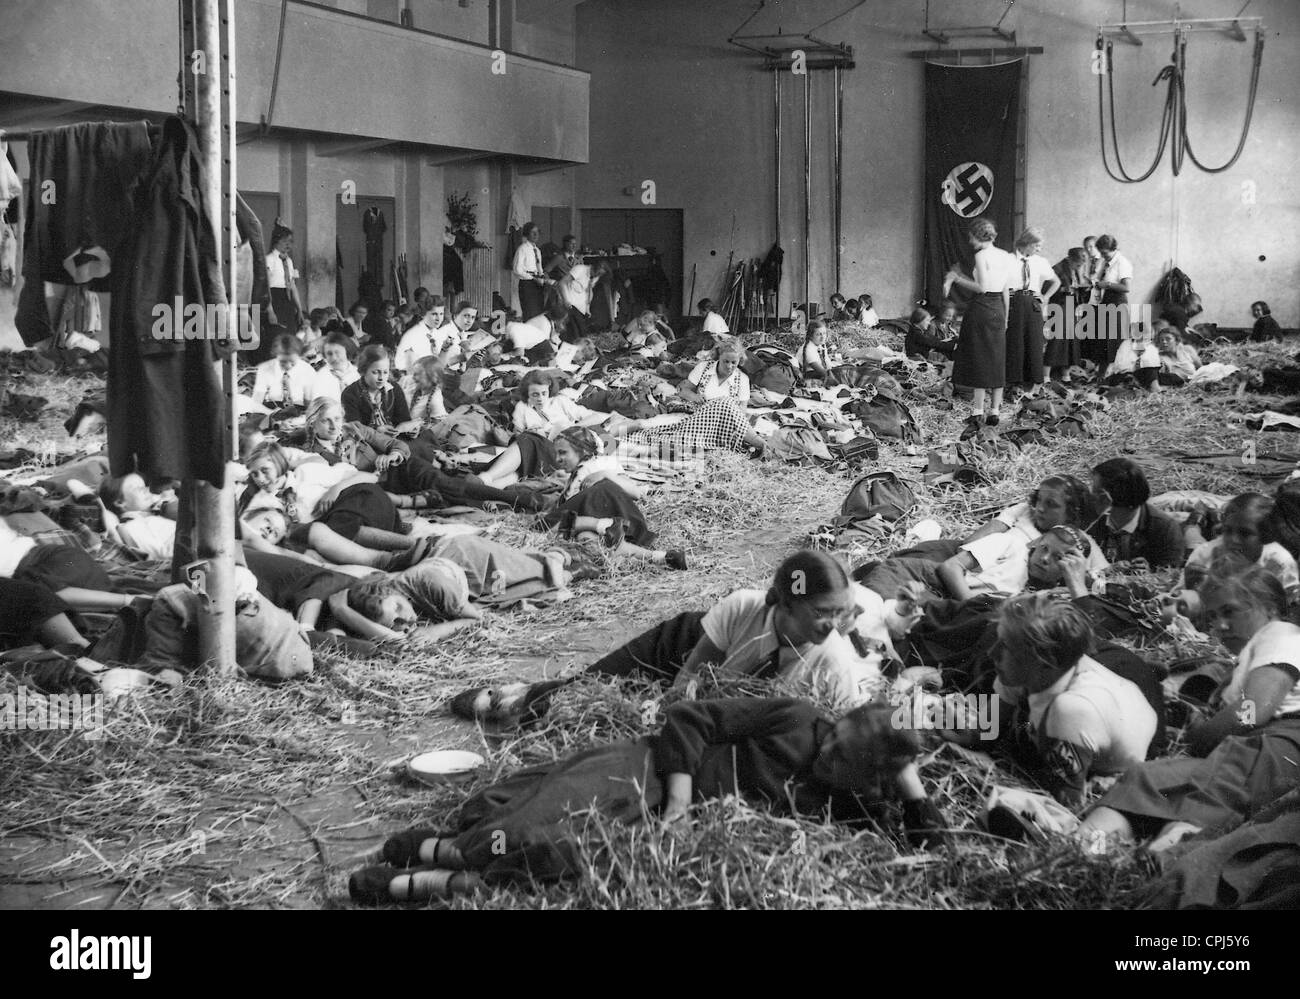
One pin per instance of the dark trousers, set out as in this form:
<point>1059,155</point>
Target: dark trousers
<point>658,653</point>
<point>415,475</point>
<point>1024,340</point>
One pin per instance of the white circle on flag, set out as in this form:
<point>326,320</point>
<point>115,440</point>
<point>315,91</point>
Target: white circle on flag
<point>968,189</point>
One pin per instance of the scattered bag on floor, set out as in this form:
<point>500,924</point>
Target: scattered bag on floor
<point>798,444</point>
<point>881,494</point>
<point>887,418</point>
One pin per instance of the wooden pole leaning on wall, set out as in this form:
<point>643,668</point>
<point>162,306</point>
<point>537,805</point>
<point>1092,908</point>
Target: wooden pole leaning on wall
<point>214,508</point>
<point>807,191</point>
<point>776,197</point>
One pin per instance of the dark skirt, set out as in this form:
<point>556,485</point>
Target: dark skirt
<point>288,320</point>
<point>59,566</point>
<point>1063,351</point>
<point>981,358</point>
<point>25,606</point>
<point>536,455</point>
<point>363,505</point>
<point>527,826</point>
<point>1024,341</point>
<point>605,499</point>
<point>532,299</point>
<point>1241,776</point>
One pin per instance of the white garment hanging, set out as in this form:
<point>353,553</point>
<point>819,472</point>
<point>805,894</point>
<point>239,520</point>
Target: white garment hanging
<point>519,214</point>
<point>10,185</point>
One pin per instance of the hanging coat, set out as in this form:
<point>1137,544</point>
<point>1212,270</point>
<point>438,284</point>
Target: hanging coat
<point>78,211</point>
<point>166,407</point>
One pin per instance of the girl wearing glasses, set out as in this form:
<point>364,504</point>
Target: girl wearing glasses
<point>790,633</point>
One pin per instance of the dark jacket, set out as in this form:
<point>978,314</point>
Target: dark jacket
<point>1158,539</point>
<point>919,343</point>
<point>357,407</point>
<point>761,748</point>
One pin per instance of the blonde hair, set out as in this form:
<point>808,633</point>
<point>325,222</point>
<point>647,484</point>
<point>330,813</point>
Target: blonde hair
<point>983,230</point>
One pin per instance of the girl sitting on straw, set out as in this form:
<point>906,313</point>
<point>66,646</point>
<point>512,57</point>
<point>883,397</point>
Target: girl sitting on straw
<point>599,501</point>
<point>410,479</point>
<point>538,418</point>
<point>1071,716</point>
<point>1248,752</point>
<point>780,753</point>
<point>1246,533</point>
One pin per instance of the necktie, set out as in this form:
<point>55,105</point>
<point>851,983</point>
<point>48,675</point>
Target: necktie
<point>1024,271</point>
<point>284,388</point>
<point>772,667</point>
<point>284,262</point>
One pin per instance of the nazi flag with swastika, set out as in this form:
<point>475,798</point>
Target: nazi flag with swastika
<point>971,115</point>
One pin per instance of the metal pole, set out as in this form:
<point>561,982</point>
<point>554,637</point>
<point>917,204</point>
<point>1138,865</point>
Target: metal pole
<point>839,161</point>
<point>776,108</point>
<point>230,372</point>
<point>214,509</point>
<point>807,187</point>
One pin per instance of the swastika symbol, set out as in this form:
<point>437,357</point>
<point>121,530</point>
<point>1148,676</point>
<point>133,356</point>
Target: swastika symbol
<point>968,189</point>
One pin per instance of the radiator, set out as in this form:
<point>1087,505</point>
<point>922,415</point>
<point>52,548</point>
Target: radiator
<point>482,273</point>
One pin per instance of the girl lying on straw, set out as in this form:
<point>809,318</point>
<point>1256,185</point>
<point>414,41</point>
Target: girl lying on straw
<point>790,633</point>
<point>782,753</point>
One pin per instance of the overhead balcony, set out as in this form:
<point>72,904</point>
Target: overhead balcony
<point>341,74</point>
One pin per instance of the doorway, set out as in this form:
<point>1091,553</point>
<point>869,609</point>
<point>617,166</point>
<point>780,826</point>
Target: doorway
<point>366,244</point>
<point>658,230</point>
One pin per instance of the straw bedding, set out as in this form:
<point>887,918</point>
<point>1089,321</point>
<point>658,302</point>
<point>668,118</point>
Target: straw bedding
<point>228,793</point>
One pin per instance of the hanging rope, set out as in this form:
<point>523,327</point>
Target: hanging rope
<point>1250,113</point>
<point>275,73</point>
<point>1173,118</point>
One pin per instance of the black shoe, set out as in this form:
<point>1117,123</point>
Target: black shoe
<point>991,420</point>
<point>616,533</point>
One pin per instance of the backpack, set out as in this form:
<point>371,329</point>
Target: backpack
<point>886,417</point>
<point>772,371</point>
<point>797,443</point>
<point>881,494</point>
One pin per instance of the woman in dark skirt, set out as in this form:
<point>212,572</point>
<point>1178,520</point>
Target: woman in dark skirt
<point>980,361</point>
<point>1249,751</point>
<point>1032,282</point>
<point>1063,351</point>
<point>780,753</point>
<point>600,501</point>
<point>283,280</point>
